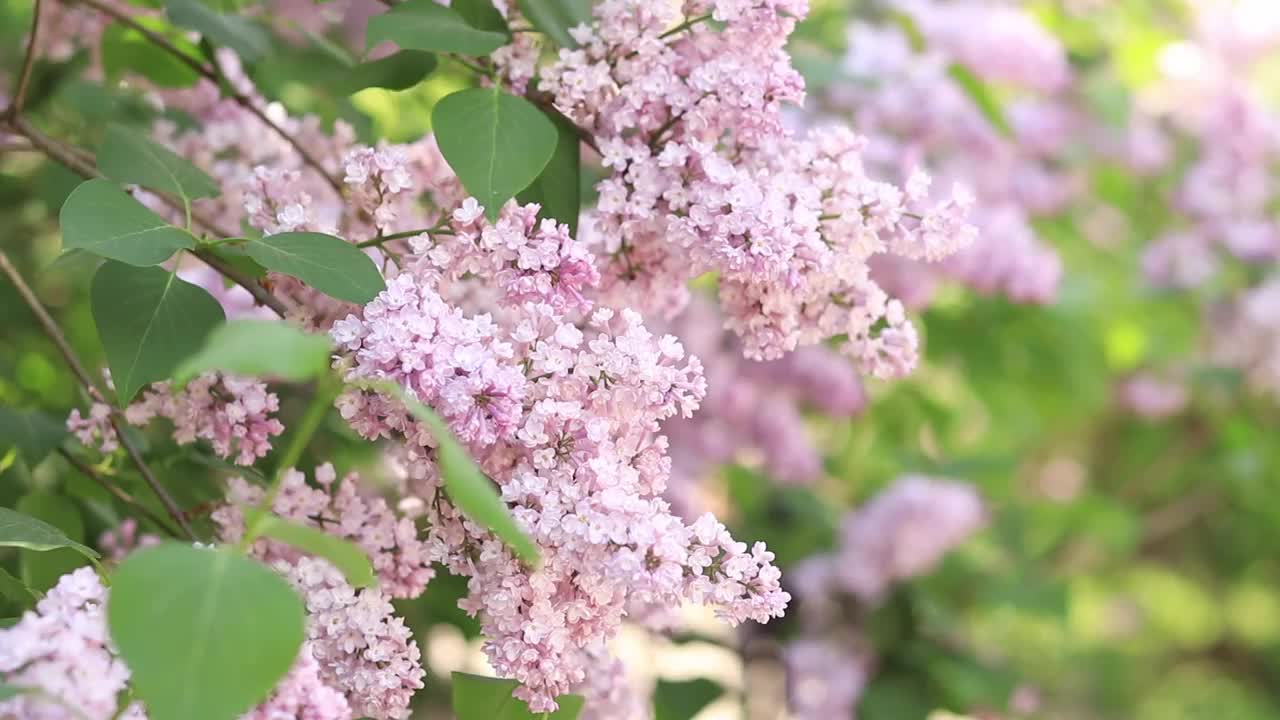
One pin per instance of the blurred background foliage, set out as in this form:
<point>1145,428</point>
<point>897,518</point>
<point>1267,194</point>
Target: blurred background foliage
<point>1129,566</point>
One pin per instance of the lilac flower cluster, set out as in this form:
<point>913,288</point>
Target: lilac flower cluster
<point>389,540</point>
<point>234,415</point>
<point>560,404</point>
<point>62,649</point>
<point>754,410</point>
<point>705,178</point>
<point>360,647</point>
<point>899,534</point>
<point>913,111</point>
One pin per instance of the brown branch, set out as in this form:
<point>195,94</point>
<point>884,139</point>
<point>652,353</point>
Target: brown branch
<point>67,156</point>
<point>116,491</point>
<point>53,148</point>
<point>73,361</point>
<point>548,105</point>
<point>214,74</point>
<point>28,62</point>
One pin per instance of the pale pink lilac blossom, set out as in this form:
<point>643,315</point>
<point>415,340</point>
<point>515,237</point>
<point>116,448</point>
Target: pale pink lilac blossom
<point>360,647</point>
<point>705,177</point>
<point>560,404</point>
<point>344,509</point>
<point>234,415</point>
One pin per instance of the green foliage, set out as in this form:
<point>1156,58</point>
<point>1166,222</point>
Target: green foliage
<point>683,699</point>
<point>102,219</point>
<point>127,50</point>
<point>41,568</point>
<point>247,39</point>
<point>467,486</point>
<point>16,592</point>
<point>398,71</point>
<point>149,321</point>
<point>484,698</point>
<point>981,96</point>
<point>497,143</point>
<point>23,531</point>
<point>259,348</point>
<point>129,157</point>
<point>345,556</point>
<point>482,14</point>
<point>425,25</point>
<point>32,432</point>
<point>556,17</point>
<point>330,264</point>
<point>556,188</point>
<point>206,633</point>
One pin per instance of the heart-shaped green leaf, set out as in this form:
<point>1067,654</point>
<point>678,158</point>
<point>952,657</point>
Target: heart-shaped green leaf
<point>426,25</point>
<point>104,220</point>
<point>476,697</point>
<point>496,142</point>
<point>329,264</point>
<point>128,156</point>
<point>206,633</point>
<point>346,556</point>
<point>259,348</point>
<point>24,531</point>
<point>149,321</point>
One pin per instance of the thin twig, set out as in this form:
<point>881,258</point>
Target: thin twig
<point>547,103</point>
<point>73,361</point>
<point>214,74</point>
<point>66,155</point>
<point>17,145</point>
<point>116,491</point>
<point>53,148</point>
<point>259,293</point>
<point>381,239</point>
<point>28,62</point>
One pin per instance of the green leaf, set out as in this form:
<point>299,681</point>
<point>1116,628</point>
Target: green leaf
<point>482,15</point>
<point>16,591</point>
<point>476,697</point>
<point>206,633</point>
<point>24,531</point>
<point>555,17</point>
<point>125,50</point>
<point>424,25</point>
<point>330,264</point>
<point>400,71</point>
<point>246,38</point>
<point>237,257</point>
<point>259,348</point>
<point>41,569</point>
<point>981,96</point>
<point>9,622</point>
<point>128,156</point>
<point>682,699</point>
<point>467,486</point>
<point>32,432</point>
<point>9,691</point>
<point>557,188</point>
<point>345,556</point>
<point>907,24</point>
<point>148,321</point>
<point>496,142</point>
<point>103,219</point>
